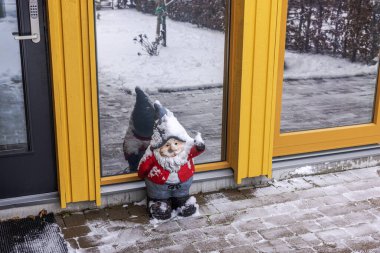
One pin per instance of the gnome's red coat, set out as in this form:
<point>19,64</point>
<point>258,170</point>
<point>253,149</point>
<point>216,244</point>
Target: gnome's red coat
<point>151,169</point>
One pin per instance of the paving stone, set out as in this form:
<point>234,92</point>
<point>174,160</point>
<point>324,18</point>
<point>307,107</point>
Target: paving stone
<point>78,231</point>
<point>193,222</point>
<point>154,243</point>
<point>274,233</point>
<point>240,249</point>
<point>273,246</point>
<point>208,209</point>
<point>375,202</point>
<point>279,220</point>
<point>361,185</point>
<point>341,209</point>
<point>311,239</point>
<point>362,244</point>
<point>167,227</point>
<point>353,218</point>
<point>333,235</point>
<point>299,228</point>
<point>238,205</point>
<point>126,248</point>
<point>332,249</point>
<point>306,215</point>
<point>189,236</point>
<point>363,195</point>
<point>211,245</point>
<point>297,242</point>
<point>117,213</point>
<point>91,250</point>
<point>73,243</point>
<point>219,230</point>
<point>182,248</point>
<point>311,193</point>
<point>95,214</point>
<point>90,241</point>
<point>233,194</point>
<point>311,225</point>
<point>243,238</point>
<point>75,219</point>
<point>223,218</point>
<point>249,225</point>
<point>333,190</point>
<point>59,221</point>
<point>326,223</point>
<point>361,229</point>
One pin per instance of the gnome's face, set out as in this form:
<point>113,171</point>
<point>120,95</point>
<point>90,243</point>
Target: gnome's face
<point>172,148</point>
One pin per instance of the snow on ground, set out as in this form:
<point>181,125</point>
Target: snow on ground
<point>194,56</point>
<point>313,66</point>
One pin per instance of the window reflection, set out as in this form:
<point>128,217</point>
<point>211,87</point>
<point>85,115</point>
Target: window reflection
<point>174,51</point>
<point>331,63</point>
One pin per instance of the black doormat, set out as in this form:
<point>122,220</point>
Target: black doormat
<point>29,235</point>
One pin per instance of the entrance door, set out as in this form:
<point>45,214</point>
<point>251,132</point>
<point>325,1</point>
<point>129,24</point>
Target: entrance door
<point>27,150</point>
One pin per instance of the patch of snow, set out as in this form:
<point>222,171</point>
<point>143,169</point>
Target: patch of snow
<point>141,203</point>
<point>316,66</point>
<point>305,170</point>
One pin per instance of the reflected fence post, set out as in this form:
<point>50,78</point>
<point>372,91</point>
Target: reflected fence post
<point>2,9</point>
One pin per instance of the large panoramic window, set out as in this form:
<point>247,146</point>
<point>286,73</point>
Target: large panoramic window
<point>331,64</point>
<point>173,51</point>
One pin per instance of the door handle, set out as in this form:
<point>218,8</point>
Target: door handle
<point>34,24</point>
<point>24,37</point>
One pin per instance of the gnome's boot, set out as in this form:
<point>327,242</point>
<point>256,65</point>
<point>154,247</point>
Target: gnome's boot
<point>160,209</point>
<point>186,206</point>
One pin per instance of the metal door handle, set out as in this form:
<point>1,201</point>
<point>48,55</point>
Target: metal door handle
<point>25,37</point>
<point>34,24</point>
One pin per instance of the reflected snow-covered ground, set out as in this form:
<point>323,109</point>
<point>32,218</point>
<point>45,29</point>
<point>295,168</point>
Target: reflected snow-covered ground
<point>12,113</point>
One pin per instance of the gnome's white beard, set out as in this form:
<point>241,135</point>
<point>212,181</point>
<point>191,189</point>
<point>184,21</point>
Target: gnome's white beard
<point>172,164</point>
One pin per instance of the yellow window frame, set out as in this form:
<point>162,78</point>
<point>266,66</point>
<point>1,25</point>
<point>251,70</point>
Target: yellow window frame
<point>251,98</point>
<point>320,139</point>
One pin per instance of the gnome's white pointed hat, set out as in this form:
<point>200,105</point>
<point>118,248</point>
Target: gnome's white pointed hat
<point>166,127</point>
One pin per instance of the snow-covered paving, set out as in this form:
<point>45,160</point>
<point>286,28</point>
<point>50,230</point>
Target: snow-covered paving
<point>336,212</point>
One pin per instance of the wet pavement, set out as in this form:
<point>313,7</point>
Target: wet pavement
<point>336,212</point>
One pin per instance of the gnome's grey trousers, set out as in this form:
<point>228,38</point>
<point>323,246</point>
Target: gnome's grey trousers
<point>166,191</point>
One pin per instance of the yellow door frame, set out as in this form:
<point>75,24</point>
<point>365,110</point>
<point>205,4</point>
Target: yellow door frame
<point>320,139</point>
<point>251,98</point>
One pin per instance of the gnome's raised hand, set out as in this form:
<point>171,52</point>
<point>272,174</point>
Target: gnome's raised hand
<point>198,141</point>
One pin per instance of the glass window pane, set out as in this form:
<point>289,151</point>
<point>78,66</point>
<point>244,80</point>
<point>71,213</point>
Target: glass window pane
<point>176,54</point>
<point>13,134</point>
<point>331,64</point>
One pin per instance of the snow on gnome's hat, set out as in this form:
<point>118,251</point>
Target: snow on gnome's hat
<point>143,115</point>
<point>167,127</point>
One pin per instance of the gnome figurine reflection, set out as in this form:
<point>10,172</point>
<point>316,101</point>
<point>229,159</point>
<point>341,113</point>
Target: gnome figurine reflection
<point>140,130</point>
<point>168,168</point>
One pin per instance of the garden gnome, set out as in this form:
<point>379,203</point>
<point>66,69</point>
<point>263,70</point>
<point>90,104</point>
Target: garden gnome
<point>168,168</point>
<point>140,130</point>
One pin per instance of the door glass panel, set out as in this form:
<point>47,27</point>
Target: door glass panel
<point>176,54</point>
<point>331,64</point>
<point>13,133</point>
